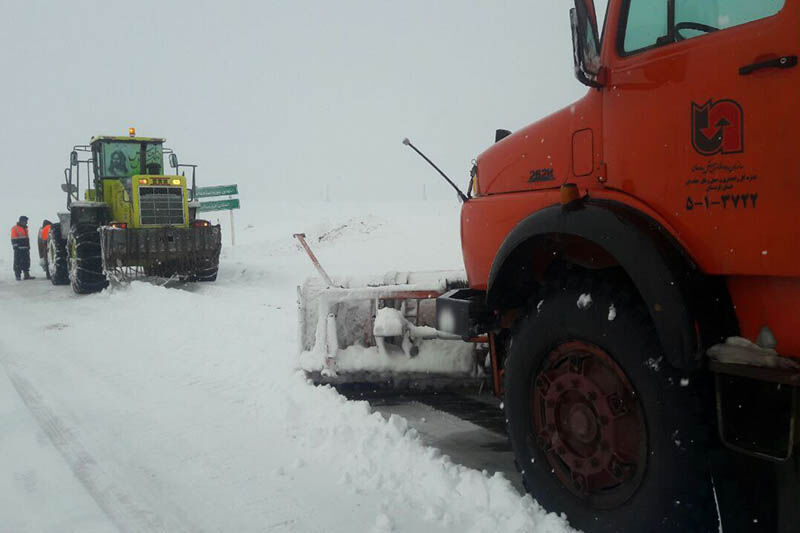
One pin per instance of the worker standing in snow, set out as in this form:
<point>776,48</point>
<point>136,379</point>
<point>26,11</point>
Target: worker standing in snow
<point>44,234</point>
<point>22,249</point>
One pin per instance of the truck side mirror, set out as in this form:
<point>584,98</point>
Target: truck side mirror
<point>73,159</point>
<point>69,188</point>
<point>499,135</point>
<point>586,43</point>
<point>173,160</point>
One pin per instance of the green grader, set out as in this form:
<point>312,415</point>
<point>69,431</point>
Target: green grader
<point>133,220</point>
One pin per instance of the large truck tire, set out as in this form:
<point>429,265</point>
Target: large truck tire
<point>601,427</point>
<point>205,270</point>
<point>85,261</point>
<point>57,267</point>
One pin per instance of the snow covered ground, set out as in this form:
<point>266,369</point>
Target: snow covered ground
<point>146,408</point>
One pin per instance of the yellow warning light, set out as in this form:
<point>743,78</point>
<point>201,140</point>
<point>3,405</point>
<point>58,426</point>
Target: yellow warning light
<point>132,132</point>
<point>143,181</point>
<point>569,193</point>
<point>176,181</point>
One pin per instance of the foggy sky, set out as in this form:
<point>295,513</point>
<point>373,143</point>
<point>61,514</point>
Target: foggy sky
<point>280,97</point>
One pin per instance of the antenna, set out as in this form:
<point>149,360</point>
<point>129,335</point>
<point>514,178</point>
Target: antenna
<point>461,195</point>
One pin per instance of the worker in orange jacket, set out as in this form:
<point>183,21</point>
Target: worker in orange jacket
<point>22,249</point>
<point>44,234</point>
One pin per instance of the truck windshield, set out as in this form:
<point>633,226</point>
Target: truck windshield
<point>126,159</point>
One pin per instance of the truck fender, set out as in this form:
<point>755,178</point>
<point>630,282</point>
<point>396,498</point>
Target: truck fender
<point>652,259</point>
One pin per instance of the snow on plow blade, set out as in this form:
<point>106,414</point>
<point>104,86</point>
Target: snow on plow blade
<point>380,331</point>
<point>160,251</point>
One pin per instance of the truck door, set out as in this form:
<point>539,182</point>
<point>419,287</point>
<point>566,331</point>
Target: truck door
<point>701,117</point>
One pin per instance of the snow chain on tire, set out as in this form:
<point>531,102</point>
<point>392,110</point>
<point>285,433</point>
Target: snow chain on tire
<point>57,264</point>
<point>85,261</point>
<point>206,270</point>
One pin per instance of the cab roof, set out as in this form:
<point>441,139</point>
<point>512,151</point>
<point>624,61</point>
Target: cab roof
<point>122,138</point>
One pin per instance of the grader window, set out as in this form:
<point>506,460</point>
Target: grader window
<point>121,159</point>
<point>154,159</point>
<point>126,159</point>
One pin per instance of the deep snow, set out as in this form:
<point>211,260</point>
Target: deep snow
<point>146,408</point>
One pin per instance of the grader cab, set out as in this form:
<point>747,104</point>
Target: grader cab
<point>133,220</point>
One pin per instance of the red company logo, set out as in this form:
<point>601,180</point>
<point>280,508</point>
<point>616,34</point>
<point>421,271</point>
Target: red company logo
<point>718,127</point>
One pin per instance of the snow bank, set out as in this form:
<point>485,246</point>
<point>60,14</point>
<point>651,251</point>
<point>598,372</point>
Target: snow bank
<point>185,406</point>
<point>386,456</point>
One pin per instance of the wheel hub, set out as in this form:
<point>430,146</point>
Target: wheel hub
<point>582,423</point>
<point>587,420</point>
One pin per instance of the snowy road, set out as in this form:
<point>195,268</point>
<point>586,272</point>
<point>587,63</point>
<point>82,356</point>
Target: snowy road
<point>147,408</point>
<point>469,430</point>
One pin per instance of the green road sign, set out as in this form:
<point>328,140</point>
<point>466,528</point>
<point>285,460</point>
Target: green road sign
<point>217,190</point>
<point>219,205</point>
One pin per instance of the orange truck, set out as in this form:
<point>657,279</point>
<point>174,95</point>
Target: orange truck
<point>635,259</point>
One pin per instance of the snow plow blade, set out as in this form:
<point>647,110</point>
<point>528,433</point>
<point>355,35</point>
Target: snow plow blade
<point>191,252</point>
<point>379,332</point>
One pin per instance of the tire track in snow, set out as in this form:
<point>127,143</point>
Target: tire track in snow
<point>124,511</point>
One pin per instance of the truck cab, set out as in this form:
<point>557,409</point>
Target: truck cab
<point>691,122</point>
<point>671,186</point>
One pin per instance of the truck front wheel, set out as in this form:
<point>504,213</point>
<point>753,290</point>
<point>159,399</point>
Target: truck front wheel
<point>601,427</point>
